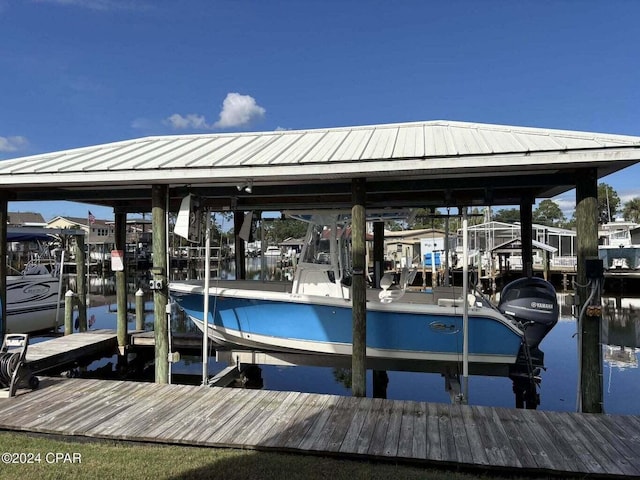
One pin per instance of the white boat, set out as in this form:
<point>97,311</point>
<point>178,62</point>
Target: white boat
<point>33,294</point>
<point>273,251</point>
<point>618,250</point>
<point>313,314</point>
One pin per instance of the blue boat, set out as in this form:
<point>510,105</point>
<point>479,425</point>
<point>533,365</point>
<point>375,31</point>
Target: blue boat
<point>313,314</point>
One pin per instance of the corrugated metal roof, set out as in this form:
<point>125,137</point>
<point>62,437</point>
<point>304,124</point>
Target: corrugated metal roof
<point>433,163</point>
<point>348,146</point>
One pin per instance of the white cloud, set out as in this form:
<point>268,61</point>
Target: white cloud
<point>141,123</point>
<point>239,110</point>
<point>12,144</point>
<point>191,120</point>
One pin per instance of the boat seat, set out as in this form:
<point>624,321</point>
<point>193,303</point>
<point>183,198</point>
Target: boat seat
<point>389,293</point>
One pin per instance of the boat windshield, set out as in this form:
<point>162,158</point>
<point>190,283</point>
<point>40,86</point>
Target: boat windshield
<point>329,245</point>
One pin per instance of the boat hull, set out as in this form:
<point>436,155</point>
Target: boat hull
<point>324,326</point>
<point>32,303</point>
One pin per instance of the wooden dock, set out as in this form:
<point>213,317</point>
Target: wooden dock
<point>459,436</point>
<point>63,351</point>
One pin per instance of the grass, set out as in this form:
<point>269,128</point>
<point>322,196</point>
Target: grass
<point>125,460</point>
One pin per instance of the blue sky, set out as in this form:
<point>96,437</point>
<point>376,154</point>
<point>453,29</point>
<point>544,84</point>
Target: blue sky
<point>83,72</point>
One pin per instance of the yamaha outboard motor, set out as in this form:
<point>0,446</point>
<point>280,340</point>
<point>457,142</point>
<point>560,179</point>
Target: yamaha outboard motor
<point>533,303</point>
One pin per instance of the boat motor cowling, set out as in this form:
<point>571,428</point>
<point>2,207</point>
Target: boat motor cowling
<point>533,303</point>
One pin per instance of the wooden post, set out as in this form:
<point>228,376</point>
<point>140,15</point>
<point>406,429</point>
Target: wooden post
<point>81,282</point>
<point>68,312</point>
<point>447,267</point>
<point>591,393</point>
<point>121,282</point>
<point>241,270</point>
<point>4,220</point>
<point>160,293</point>
<point>526,236</point>
<point>140,309</point>
<point>358,289</point>
<point>378,253</point>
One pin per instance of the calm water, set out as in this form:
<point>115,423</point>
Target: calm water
<point>621,376</point>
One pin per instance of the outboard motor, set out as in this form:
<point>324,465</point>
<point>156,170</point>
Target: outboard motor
<point>533,303</point>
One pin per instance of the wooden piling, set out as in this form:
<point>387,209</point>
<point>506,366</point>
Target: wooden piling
<point>378,253</point>
<point>121,282</point>
<point>526,235</point>
<point>140,309</point>
<point>81,282</point>
<point>591,393</point>
<point>241,269</point>
<point>358,289</point>
<point>69,300</point>
<point>159,195</point>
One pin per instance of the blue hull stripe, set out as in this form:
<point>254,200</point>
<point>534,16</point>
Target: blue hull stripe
<point>385,330</point>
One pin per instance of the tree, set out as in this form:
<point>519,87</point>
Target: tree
<point>608,203</point>
<point>278,230</point>
<point>426,218</point>
<point>507,215</point>
<point>548,213</point>
<point>631,211</point>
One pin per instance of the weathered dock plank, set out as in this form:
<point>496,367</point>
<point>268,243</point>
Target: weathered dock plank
<point>369,426</point>
<point>313,435</point>
<point>216,424</point>
<point>392,438</point>
<point>614,439</point>
<point>304,419</point>
<point>271,420</point>
<point>474,436</point>
<point>376,445</point>
<point>195,401</point>
<point>244,418</point>
<point>352,435</point>
<point>561,456</point>
<point>524,442</point>
<point>587,451</point>
<point>496,445</point>
<point>434,451</point>
<point>419,443</point>
<point>486,438</point>
<point>447,443</point>
<point>214,400</point>
<point>460,437</point>
<point>337,425</point>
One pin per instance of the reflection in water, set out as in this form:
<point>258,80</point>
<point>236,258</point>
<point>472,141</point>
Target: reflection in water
<point>621,339</point>
<point>620,322</point>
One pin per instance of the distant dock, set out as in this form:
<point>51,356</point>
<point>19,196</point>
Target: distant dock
<point>63,351</point>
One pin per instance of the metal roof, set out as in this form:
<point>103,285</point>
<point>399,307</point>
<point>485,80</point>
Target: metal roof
<point>432,156</point>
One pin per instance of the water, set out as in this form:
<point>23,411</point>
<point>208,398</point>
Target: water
<point>621,375</point>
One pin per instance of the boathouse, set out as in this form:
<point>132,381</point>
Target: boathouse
<point>428,164</point>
